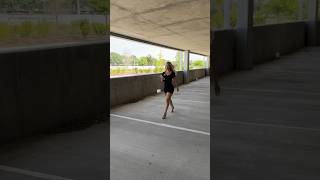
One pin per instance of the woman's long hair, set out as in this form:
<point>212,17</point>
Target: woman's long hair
<point>169,66</point>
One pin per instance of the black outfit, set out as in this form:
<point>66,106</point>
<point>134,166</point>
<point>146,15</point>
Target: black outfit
<point>167,79</point>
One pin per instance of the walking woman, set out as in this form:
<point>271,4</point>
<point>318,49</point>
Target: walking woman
<point>168,79</point>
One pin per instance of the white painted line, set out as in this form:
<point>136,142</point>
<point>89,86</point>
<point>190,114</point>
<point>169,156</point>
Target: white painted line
<point>270,91</point>
<point>32,173</point>
<point>161,124</point>
<point>266,125</point>
<point>192,101</point>
<point>193,93</point>
<point>199,91</point>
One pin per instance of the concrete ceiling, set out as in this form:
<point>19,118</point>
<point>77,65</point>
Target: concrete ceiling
<point>183,24</point>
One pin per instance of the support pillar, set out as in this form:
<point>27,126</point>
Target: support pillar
<point>181,61</point>
<point>312,23</point>
<point>227,13</point>
<point>186,66</point>
<point>301,9</point>
<point>244,48</point>
<point>208,66</point>
<point>78,7</point>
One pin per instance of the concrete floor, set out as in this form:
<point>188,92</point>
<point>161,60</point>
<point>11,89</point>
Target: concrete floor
<point>145,147</point>
<point>178,148</point>
<point>266,124</point>
<point>77,155</point>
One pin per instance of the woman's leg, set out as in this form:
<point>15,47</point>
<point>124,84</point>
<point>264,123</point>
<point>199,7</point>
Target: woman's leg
<point>167,100</point>
<point>171,104</point>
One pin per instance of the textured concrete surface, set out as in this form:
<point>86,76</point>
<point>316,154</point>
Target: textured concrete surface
<point>77,155</point>
<point>46,87</point>
<point>266,123</point>
<point>150,149</point>
<point>183,24</point>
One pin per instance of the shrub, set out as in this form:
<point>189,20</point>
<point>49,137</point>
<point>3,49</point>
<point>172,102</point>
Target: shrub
<point>25,29</point>
<point>43,28</point>
<point>84,27</point>
<point>75,27</point>
<point>4,31</point>
<point>99,28</point>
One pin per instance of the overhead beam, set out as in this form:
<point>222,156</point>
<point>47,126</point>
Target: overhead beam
<point>149,42</point>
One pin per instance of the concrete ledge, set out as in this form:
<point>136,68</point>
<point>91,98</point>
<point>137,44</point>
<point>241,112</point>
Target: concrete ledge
<point>279,38</point>
<point>46,88</point>
<point>267,42</point>
<point>196,74</point>
<point>133,88</point>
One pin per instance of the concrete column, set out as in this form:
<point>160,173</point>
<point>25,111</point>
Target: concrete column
<point>227,13</point>
<point>312,22</point>
<point>78,7</point>
<point>244,48</point>
<point>181,61</point>
<point>301,4</point>
<point>186,66</point>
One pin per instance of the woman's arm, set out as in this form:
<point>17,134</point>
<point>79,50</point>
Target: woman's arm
<point>161,78</point>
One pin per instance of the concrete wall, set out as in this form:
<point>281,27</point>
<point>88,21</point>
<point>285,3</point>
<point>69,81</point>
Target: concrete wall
<point>43,88</point>
<point>223,50</point>
<point>195,74</point>
<point>282,38</point>
<point>130,89</point>
<point>267,41</point>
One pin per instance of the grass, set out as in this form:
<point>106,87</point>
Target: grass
<point>42,30</point>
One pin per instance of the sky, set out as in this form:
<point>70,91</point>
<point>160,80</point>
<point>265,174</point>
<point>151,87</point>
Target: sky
<point>124,46</point>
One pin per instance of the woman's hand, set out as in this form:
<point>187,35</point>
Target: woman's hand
<point>161,78</point>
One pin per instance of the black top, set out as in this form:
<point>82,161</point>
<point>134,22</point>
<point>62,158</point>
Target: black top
<point>167,79</point>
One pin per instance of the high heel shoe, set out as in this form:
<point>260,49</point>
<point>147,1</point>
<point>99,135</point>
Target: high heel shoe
<point>172,109</point>
<point>164,116</point>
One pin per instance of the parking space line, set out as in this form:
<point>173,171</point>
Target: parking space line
<point>32,173</point>
<point>194,93</point>
<point>270,91</point>
<point>264,125</point>
<point>192,101</point>
<point>162,125</point>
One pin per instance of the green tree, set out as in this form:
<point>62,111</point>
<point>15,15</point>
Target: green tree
<point>143,61</point>
<point>151,60</point>
<point>99,6</point>
<point>217,14</point>
<point>116,59</point>
<point>276,11</point>
<point>159,63</point>
<point>197,64</point>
